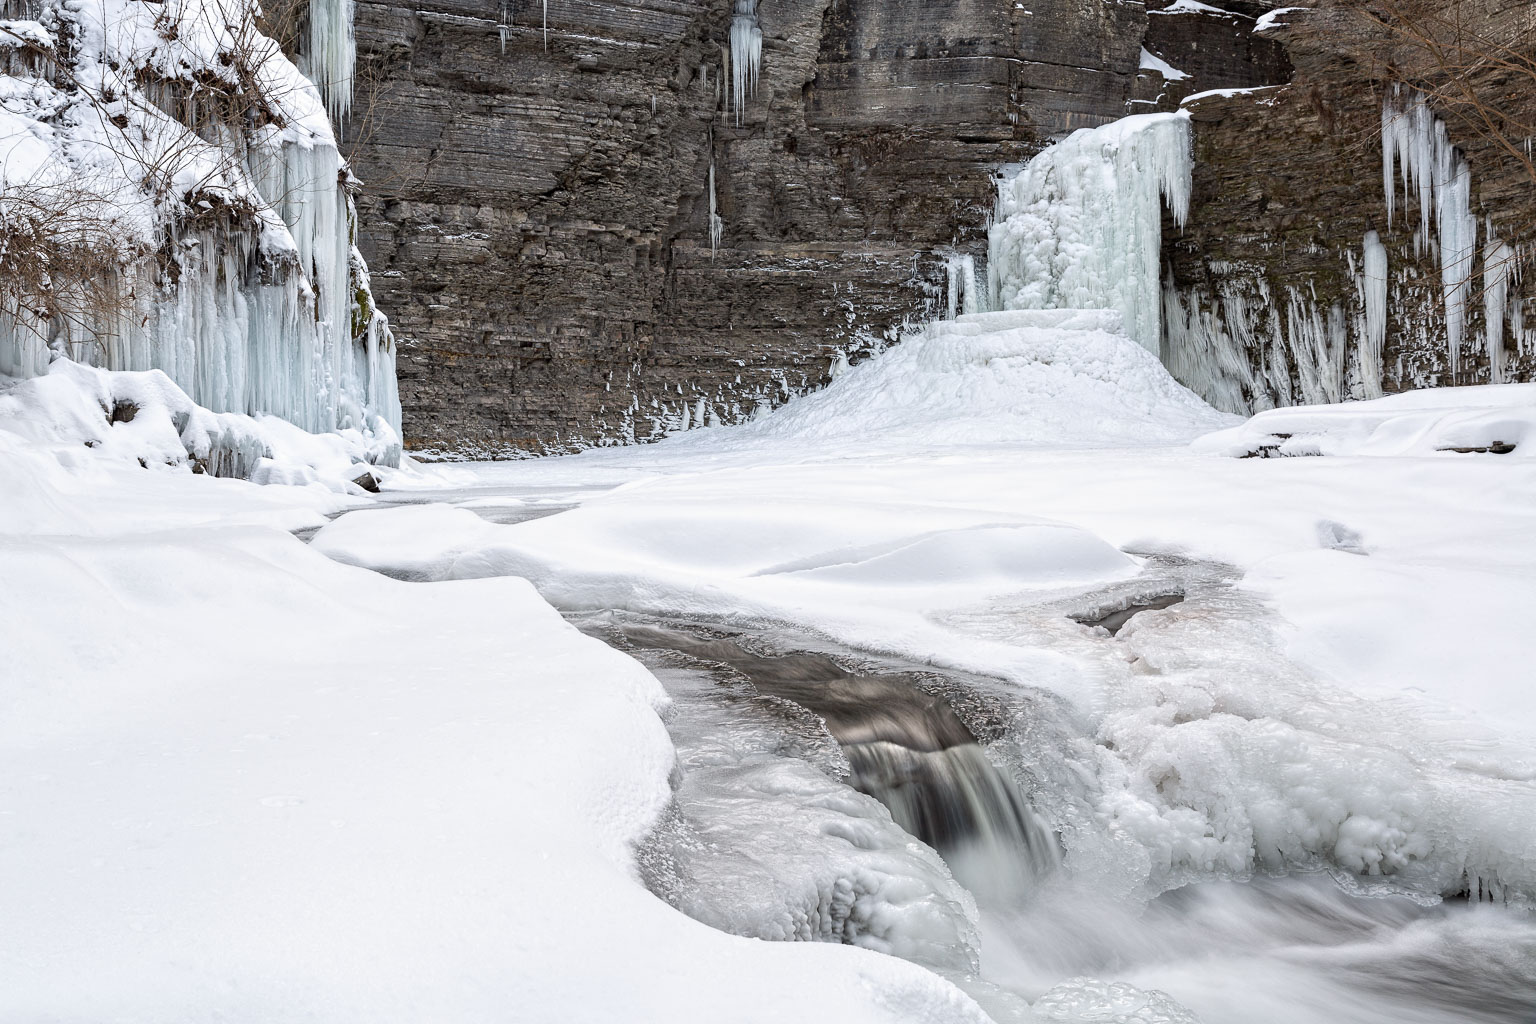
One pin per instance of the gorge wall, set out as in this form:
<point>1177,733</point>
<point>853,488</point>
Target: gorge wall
<point>543,182</point>
<point>537,209</point>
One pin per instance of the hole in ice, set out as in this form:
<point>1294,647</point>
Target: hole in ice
<point>1114,617</point>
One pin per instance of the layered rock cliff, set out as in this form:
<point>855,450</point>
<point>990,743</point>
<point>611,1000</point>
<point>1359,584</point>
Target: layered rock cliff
<point>538,211</point>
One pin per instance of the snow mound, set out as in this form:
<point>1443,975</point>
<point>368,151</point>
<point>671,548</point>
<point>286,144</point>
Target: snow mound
<point>80,414</point>
<point>1487,418</point>
<point>1057,376</point>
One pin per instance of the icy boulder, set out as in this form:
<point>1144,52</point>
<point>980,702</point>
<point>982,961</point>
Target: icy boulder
<point>1497,419</point>
<point>1050,376</point>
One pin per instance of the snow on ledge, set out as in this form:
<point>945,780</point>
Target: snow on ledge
<point>1152,62</point>
<point>1271,19</point>
<point>1196,7</point>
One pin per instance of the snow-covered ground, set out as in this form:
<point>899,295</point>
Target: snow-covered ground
<point>245,781</point>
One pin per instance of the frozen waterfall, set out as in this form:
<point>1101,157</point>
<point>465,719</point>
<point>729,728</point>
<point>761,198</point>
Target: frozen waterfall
<point>1080,227</point>
<point>233,268</point>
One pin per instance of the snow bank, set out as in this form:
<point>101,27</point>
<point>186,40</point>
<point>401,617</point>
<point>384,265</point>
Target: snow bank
<point>1498,419</point>
<point>81,414</point>
<point>241,782</point>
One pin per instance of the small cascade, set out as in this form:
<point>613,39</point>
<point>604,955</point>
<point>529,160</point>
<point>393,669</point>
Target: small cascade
<point>910,751</point>
<point>963,806</point>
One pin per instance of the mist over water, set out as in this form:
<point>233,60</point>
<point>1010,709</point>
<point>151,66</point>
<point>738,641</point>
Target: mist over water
<point>1296,950</point>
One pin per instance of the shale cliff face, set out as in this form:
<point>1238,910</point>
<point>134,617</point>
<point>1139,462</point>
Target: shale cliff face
<point>538,208</point>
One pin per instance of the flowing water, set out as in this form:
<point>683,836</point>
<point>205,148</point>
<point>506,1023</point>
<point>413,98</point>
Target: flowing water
<point>1289,950</point>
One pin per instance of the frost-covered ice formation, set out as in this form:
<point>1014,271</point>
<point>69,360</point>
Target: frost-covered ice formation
<point>176,147</point>
<point>1434,170</point>
<point>1080,227</point>
<point>1251,346</point>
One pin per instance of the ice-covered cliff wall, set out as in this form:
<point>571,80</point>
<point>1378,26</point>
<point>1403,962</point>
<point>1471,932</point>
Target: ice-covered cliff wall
<point>174,198</point>
<point>1362,230</point>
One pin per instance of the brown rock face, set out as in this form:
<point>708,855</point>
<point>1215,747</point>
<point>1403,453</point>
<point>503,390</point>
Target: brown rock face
<point>537,205</point>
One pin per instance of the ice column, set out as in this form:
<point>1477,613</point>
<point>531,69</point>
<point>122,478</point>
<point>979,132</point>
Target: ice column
<point>1415,140</point>
<point>1081,225</point>
<point>1498,258</point>
<point>1373,296</point>
<point>964,292</point>
<point>746,54</point>
<point>716,225</point>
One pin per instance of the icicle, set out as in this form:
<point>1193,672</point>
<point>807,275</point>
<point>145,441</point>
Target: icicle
<point>716,225</point>
<point>746,54</point>
<point>1497,257</point>
<point>1081,225</point>
<point>1373,294</point>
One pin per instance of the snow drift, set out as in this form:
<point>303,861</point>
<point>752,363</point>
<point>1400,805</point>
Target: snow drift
<point>80,414</point>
